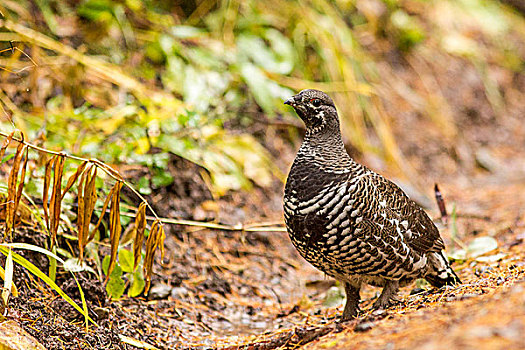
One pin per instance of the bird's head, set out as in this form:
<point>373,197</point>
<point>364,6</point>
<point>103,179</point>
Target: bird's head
<point>316,109</point>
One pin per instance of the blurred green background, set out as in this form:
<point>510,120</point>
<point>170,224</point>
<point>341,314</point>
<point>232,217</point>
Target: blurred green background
<point>206,79</point>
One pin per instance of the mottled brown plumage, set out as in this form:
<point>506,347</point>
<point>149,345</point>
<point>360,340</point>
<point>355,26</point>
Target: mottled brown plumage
<point>352,223</point>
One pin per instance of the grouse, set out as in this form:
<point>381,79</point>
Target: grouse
<point>352,223</point>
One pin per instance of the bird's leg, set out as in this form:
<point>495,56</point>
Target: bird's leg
<point>388,295</point>
<point>352,302</point>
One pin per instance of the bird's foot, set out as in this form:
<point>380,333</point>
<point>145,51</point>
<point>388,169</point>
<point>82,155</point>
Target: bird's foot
<point>349,314</point>
<point>385,303</point>
<point>388,296</point>
<point>352,302</point>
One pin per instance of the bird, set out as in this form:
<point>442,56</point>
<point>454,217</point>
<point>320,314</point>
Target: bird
<point>352,223</point>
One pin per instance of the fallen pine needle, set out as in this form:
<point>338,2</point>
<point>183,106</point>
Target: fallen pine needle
<point>136,343</point>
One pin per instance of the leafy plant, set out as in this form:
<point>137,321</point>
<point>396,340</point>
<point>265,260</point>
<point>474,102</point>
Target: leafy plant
<point>86,175</point>
<point>124,268</point>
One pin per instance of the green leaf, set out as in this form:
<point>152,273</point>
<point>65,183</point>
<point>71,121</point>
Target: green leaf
<point>84,303</point>
<point>160,160</point>
<point>195,87</point>
<point>460,45</point>
<point>283,49</point>
<point>35,248</point>
<point>173,78</point>
<point>167,44</point>
<point>279,57</point>
<point>458,254</point>
<point>407,28</point>
<point>250,155</point>
<point>202,86</point>
<point>64,253</point>
<point>96,10</point>
<point>259,86</point>
<point>185,32</point>
<point>479,246</point>
<point>105,265</point>
<point>161,178</point>
<point>137,283</point>
<point>143,186</point>
<point>116,285</point>
<point>125,260</point>
<point>6,158</point>
<point>267,93</point>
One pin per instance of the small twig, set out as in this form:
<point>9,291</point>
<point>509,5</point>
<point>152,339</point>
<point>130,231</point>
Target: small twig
<point>12,48</point>
<point>257,227</point>
<point>46,150</point>
<point>441,204</point>
<point>473,216</point>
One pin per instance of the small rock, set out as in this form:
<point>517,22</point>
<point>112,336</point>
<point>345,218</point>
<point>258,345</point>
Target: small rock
<point>159,291</point>
<point>467,296</point>
<point>178,292</point>
<point>200,214</point>
<point>486,160</point>
<point>101,312</point>
<point>363,327</point>
<point>380,313</point>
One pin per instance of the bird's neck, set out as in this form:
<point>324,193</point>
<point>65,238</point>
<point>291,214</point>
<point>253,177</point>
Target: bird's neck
<point>326,149</point>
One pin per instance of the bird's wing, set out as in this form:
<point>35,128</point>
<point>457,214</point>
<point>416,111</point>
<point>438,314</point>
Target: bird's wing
<point>418,230</point>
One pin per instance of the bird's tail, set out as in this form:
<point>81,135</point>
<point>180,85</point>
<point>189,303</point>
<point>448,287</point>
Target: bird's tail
<point>440,273</point>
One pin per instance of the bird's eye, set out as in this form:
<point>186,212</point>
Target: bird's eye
<point>316,102</point>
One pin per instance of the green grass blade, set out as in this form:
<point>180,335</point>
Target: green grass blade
<point>36,271</point>
<point>84,304</point>
<point>34,248</point>
<point>53,265</point>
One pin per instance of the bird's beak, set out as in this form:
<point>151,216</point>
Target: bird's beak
<point>290,101</point>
